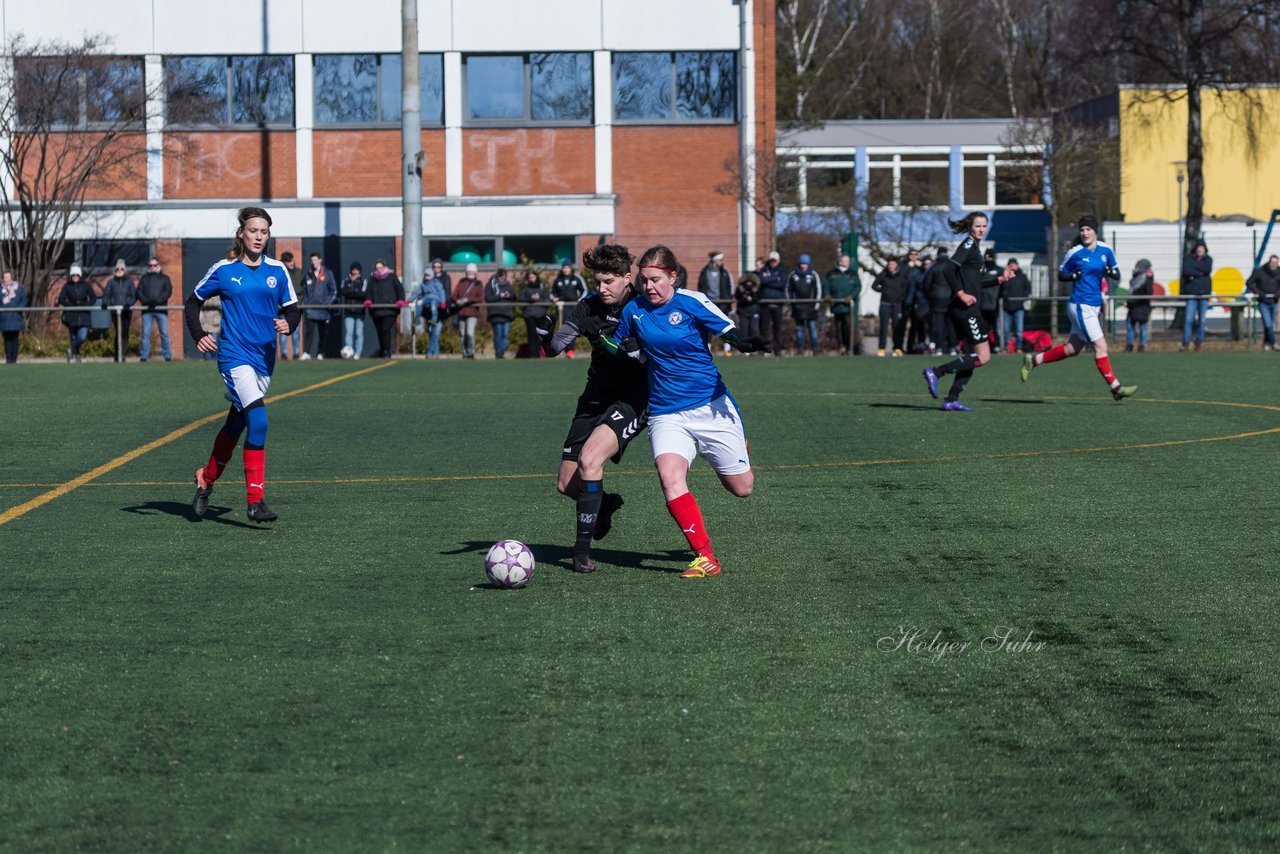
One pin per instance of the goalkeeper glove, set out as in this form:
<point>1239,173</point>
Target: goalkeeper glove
<point>545,326</point>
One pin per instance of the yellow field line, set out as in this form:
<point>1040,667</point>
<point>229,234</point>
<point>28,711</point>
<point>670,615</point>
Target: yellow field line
<point>77,482</point>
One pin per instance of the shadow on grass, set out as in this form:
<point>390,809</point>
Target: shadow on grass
<point>548,554</point>
<point>918,407</point>
<point>184,511</point>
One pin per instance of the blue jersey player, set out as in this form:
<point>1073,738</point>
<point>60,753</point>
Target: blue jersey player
<point>690,410</point>
<point>255,290</point>
<point>1087,266</point>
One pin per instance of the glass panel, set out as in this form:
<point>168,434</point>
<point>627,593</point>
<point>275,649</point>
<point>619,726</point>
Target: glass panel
<point>197,89</point>
<point>430,82</point>
<point>262,90</point>
<point>114,90</point>
<point>830,188</point>
<point>788,178</point>
<point>495,87</point>
<point>346,88</point>
<point>47,90</point>
<point>880,188</point>
<point>1018,185</point>
<point>642,85</point>
<point>560,85</point>
<point>975,186</point>
<point>925,187</point>
<point>705,86</point>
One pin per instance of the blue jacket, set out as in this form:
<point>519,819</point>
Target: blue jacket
<point>11,321</point>
<point>429,296</point>
<point>119,291</point>
<point>1197,276</point>
<point>318,292</point>
<point>773,281</point>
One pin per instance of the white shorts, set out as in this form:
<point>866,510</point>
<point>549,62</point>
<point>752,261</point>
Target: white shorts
<point>244,386</point>
<point>1086,321</point>
<point>713,430</point>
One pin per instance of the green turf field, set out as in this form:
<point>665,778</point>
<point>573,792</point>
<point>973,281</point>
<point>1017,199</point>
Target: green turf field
<point>347,680</point>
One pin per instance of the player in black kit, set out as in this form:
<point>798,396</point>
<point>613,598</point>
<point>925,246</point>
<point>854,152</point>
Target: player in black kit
<point>614,406</point>
<point>964,273</point>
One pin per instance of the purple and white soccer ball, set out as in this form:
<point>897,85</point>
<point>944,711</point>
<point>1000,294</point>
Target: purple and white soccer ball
<point>509,564</point>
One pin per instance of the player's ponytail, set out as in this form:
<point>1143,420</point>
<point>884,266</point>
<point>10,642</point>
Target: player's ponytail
<point>236,252</point>
<point>660,257</point>
<point>962,226</point>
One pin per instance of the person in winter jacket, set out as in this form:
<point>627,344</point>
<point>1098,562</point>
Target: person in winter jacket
<point>717,283</point>
<point>1014,294</point>
<point>1142,286</point>
<point>319,287</point>
<point>442,276</point>
<point>430,306</point>
<point>773,286</point>
<point>1197,283</point>
<point>989,302</point>
<point>385,291</point>
<point>568,287</point>
<point>295,278</point>
<point>843,288</point>
<point>748,299</point>
<point>915,308</point>
<point>12,295</point>
<point>939,291</point>
<point>353,292</point>
<point>891,284</point>
<point>1264,283</point>
<point>154,290</point>
<point>536,299</point>
<point>498,294</point>
<point>76,294</point>
<point>119,291</point>
<point>468,293</point>
<point>805,284</point>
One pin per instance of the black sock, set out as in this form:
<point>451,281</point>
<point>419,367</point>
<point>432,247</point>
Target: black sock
<point>967,362</point>
<point>958,384</point>
<point>590,495</point>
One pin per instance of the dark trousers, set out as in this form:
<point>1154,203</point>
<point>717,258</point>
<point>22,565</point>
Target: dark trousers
<point>385,326</point>
<point>749,320</point>
<point>842,330</point>
<point>534,348</point>
<point>891,323</point>
<point>944,334</point>
<point>11,346</point>
<point>918,332</point>
<point>315,336</point>
<point>771,325</point>
<point>120,333</point>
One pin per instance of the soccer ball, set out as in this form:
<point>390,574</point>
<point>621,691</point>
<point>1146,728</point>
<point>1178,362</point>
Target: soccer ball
<point>347,352</point>
<point>509,564</point>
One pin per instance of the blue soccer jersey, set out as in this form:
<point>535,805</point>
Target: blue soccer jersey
<point>682,375</point>
<point>251,301</point>
<point>1087,290</point>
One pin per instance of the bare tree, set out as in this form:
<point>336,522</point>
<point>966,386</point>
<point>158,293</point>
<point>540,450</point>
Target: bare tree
<point>74,121</point>
<point>765,186</point>
<point>825,48</point>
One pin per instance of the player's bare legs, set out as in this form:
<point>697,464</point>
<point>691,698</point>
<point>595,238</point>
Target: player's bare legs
<point>739,484</point>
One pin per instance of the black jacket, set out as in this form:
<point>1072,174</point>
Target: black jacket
<point>119,291</point>
<point>935,283</point>
<point>537,300</point>
<point>806,285</point>
<point>1016,292</point>
<point>499,291</point>
<point>1265,282</point>
<point>353,292</point>
<point>154,289</point>
<point>1197,276</point>
<point>892,287</point>
<point>76,294</point>
<point>990,298</point>
<point>385,290</point>
<point>716,283</point>
<point>570,288</point>
<point>1142,284</point>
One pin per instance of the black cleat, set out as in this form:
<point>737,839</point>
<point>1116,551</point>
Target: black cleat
<point>584,563</point>
<point>260,512</point>
<point>200,504</point>
<point>604,522</point>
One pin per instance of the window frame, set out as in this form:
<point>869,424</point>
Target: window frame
<point>229,103</point>
<point>83,122</point>
<point>673,117</point>
<point>380,123</point>
<point>527,119</point>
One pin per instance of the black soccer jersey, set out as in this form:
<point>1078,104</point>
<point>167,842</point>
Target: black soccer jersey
<point>618,378</point>
<point>969,263</point>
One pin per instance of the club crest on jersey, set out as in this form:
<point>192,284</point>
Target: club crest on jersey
<point>271,281</point>
<point>674,318</point>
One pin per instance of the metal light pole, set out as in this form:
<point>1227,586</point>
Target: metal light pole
<point>411,158</point>
<point>1181,166</point>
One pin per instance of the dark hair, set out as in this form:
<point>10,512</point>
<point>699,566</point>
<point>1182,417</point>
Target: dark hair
<point>660,257</point>
<point>500,272</point>
<point>608,258</point>
<point>961,226</point>
<point>244,215</point>
<point>316,255</point>
<point>378,261</point>
<point>286,257</point>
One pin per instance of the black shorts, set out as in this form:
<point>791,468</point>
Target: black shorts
<point>969,323</point>
<point>621,417</point>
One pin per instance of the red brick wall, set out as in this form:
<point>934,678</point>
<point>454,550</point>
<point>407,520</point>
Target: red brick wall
<point>766,105</point>
<point>666,183</point>
<point>528,161</point>
<point>169,254</point>
<point>230,164</point>
<point>119,169</point>
<point>349,163</point>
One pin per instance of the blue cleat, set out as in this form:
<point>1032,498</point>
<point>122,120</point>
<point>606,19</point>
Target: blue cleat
<point>955,406</point>
<point>931,377</point>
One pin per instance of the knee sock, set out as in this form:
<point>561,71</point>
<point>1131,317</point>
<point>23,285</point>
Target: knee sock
<point>1053,354</point>
<point>684,510</point>
<point>958,384</point>
<point>1104,368</point>
<point>224,445</point>
<point>967,362</point>
<point>255,455</point>
<point>590,496</point>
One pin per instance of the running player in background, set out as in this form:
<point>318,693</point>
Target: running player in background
<point>613,407</point>
<point>691,411</point>
<point>254,289</point>
<point>1087,266</point>
<point>964,274</point>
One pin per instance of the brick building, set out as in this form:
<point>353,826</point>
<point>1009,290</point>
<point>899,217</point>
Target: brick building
<point>544,125</point>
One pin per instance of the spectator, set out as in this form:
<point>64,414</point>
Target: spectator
<point>939,292</point>
<point>211,322</point>
<point>717,283</point>
<point>442,276</point>
<point>295,276</point>
<point>1264,283</point>
<point>1142,286</point>
<point>498,295</point>
<point>121,292</point>
<point>843,287</point>
<point>354,291</point>
<point>806,285</point>
<point>76,294</point>
<point>154,290</point>
<point>12,295</point>
<point>1197,283</point>
<point>430,306</point>
<point>915,309</point>
<point>891,284</point>
<point>468,293</point>
<point>773,286</point>
<point>568,287</point>
<point>1014,293</point>
<point>989,302</point>
<point>749,306</point>
<point>537,300</point>
<point>384,300</point>
<point>319,287</point>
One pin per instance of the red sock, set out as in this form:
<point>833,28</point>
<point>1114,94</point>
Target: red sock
<point>1104,368</point>
<point>1054,354</point>
<point>687,515</point>
<point>223,447</point>
<point>255,465</point>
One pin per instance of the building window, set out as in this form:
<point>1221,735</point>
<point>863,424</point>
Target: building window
<point>547,88</point>
<point>79,91</point>
<point>254,91</point>
<point>365,88</point>
<point>910,180</point>
<point>992,182</point>
<point>683,86</point>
